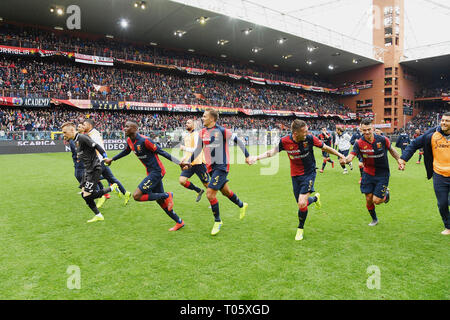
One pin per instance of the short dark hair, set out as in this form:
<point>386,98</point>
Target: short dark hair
<point>90,121</point>
<point>447,114</point>
<point>134,122</point>
<point>366,122</point>
<point>297,125</point>
<point>213,112</point>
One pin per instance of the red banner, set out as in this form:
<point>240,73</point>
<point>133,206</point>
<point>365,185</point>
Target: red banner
<point>17,50</point>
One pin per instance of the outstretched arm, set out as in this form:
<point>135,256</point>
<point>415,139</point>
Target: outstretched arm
<point>394,153</point>
<point>267,154</point>
<point>333,151</point>
<point>167,155</point>
<point>241,145</point>
<point>122,154</point>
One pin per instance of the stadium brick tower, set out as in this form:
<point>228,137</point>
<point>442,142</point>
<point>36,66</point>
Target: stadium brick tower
<point>391,97</point>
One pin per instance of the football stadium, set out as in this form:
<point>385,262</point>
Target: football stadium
<point>277,157</point>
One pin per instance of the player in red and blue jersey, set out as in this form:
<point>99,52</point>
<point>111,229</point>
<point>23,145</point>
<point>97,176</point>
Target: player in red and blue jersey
<point>213,140</point>
<point>373,148</point>
<point>327,139</point>
<point>151,188</point>
<point>299,147</point>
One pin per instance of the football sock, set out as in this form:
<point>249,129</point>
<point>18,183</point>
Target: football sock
<point>173,215</point>
<point>372,212</point>
<point>189,185</point>
<point>154,196</point>
<point>233,197</point>
<point>324,164</point>
<point>215,209</point>
<point>312,200</point>
<point>302,214</point>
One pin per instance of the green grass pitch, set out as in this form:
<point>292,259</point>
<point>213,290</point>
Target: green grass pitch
<point>132,255</point>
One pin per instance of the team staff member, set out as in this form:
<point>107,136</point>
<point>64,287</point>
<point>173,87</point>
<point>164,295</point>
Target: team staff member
<point>436,153</point>
<point>403,140</point>
<point>198,165</point>
<point>343,143</point>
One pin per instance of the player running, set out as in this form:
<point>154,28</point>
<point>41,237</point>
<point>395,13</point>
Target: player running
<point>107,174</point>
<point>87,153</point>
<point>326,138</point>
<point>198,165</point>
<point>375,180</point>
<point>213,139</point>
<point>299,147</point>
<point>151,188</point>
<point>77,163</point>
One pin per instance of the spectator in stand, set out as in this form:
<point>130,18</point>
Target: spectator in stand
<point>111,123</point>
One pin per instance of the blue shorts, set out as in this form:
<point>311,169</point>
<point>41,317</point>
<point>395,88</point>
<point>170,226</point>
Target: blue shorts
<point>218,179</point>
<point>325,154</point>
<point>303,184</point>
<point>152,183</point>
<point>344,152</point>
<point>199,170</point>
<point>374,184</point>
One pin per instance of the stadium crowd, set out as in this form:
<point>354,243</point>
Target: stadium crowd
<point>436,89</point>
<point>425,120</point>
<point>35,37</point>
<point>62,79</point>
<point>14,120</point>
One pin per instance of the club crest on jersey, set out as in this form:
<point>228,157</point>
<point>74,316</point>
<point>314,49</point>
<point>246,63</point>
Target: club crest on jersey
<point>138,147</point>
<point>379,145</point>
<point>305,145</point>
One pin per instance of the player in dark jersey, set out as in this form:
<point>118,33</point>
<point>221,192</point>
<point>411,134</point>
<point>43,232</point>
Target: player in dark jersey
<point>403,140</point>
<point>87,153</point>
<point>299,147</point>
<point>213,140</point>
<point>327,139</point>
<point>375,180</point>
<point>77,163</point>
<point>151,188</point>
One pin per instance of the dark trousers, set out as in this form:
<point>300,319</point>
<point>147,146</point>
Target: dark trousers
<point>108,175</point>
<point>79,173</point>
<point>442,190</point>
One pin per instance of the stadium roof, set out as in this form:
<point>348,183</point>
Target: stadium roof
<point>161,18</point>
<point>431,67</point>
